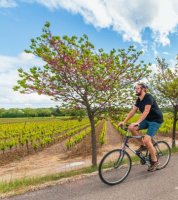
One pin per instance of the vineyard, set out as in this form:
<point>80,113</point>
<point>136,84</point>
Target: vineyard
<point>38,133</point>
<point>32,146</point>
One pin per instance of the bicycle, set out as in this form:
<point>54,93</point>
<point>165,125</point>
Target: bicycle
<point>116,165</point>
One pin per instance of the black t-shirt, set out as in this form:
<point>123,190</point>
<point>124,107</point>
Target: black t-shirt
<point>155,113</point>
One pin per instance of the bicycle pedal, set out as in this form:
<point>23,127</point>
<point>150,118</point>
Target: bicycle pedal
<point>142,162</point>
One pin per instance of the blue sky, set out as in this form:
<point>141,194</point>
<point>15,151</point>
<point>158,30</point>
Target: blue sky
<point>151,26</point>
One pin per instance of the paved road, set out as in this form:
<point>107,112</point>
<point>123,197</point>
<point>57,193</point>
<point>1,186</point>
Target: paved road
<point>140,185</point>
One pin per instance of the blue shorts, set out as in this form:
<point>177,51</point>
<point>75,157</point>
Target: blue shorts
<point>151,126</point>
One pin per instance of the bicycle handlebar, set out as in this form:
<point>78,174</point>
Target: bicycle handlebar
<point>125,127</point>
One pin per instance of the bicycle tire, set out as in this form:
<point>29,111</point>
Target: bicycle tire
<point>163,153</point>
<point>167,151</point>
<point>122,159</point>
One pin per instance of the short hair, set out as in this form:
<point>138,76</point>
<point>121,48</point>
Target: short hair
<point>143,85</point>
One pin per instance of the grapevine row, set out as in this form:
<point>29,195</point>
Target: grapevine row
<point>102,136</point>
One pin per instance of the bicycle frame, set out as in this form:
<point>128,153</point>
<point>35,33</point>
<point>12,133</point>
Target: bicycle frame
<point>125,144</point>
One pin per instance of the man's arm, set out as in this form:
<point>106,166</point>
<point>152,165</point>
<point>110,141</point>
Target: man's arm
<point>131,114</point>
<point>144,114</point>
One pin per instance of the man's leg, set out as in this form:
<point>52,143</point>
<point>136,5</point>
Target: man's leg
<point>152,130</point>
<point>135,130</point>
<point>151,149</point>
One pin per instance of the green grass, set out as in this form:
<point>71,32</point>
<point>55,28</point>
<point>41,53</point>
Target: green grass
<point>174,150</point>
<point>19,184</point>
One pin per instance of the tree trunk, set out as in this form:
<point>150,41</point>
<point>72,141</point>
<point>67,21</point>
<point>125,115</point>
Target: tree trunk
<point>93,138</point>
<point>174,128</point>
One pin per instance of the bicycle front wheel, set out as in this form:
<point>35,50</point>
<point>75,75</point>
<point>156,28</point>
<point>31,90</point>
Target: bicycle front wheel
<point>115,167</point>
<point>163,152</point>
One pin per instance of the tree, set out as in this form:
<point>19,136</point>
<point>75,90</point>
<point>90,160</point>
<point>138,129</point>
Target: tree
<point>166,83</point>
<point>29,112</point>
<point>12,112</point>
<point>78,76</point>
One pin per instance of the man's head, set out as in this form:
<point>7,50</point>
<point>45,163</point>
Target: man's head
<point>140,88</point>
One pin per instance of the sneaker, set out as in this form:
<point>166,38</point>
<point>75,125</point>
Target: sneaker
<point>141,148</point>
<point>154,165</point>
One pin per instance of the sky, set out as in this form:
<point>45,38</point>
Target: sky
<point>151,26</point>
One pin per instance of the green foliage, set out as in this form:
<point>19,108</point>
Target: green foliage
<point>78,137</point>
<point>38,134</point>
<point>103,134</point>
<point>76,74</point>
<point>41,112</point>
<point>165,83</point>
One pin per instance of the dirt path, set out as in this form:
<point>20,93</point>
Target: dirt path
<point>55,159</point>
<point>112,135</point>
<point>113,138</point>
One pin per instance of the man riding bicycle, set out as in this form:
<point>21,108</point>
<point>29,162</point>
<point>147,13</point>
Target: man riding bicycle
<point>150,119</point>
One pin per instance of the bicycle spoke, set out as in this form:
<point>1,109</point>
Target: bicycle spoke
<point>114,167</point>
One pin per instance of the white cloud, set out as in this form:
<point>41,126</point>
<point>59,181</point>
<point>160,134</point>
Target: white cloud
<point>8,63</point>
<point>154,49</point>
<point>7,3</point>
<point>128,18</point>
<point>173,62</point>
<point>9,77</point>
<point>153,68</point>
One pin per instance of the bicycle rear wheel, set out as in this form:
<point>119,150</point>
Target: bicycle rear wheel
<point>163,152</point>
<point>115,167</point>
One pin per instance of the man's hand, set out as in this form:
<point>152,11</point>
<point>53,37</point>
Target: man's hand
<point>121,124</point>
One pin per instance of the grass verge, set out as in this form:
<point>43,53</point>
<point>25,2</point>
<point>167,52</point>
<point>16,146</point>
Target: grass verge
<point>19,184</point>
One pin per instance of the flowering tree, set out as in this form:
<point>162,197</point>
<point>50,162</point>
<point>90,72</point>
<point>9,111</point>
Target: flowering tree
<point>165,82</point>
<point>77,75</point>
